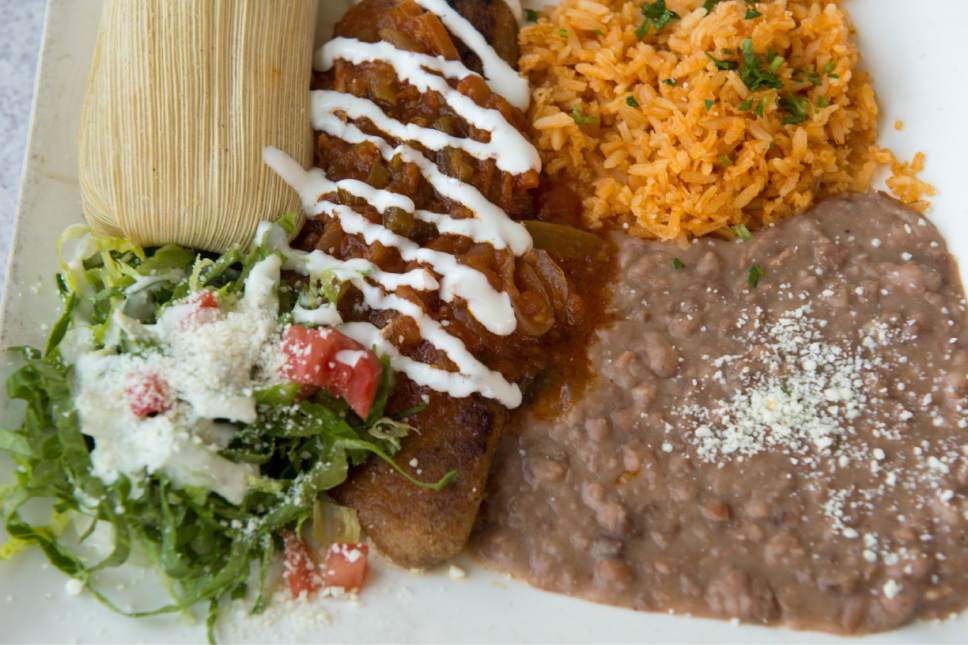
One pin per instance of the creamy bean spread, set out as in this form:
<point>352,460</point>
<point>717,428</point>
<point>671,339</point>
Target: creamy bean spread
<point>777,433</point>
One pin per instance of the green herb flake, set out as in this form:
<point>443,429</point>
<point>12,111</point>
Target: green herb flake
<point>709,5</point>
<point>795,107</point>
<point>725,161</point>
<point>655,17</point>
<point>631,102</point>
<point>745,105</point>
<point>563,33</point>
<point>754,276</point>
<point>775,62</point>
<point>823,102</point>
<point>751,11</point>
<point>741,232</point>
<point>678,264</point>
<point>760,108</point>
<point>722,64</point>
<point>598,32</point>
<point>581,119</point>
<point>752,71</point>
<point>671,82</point>
<point>531,15</point>
<point>709,104</point>
<point>829,67</point>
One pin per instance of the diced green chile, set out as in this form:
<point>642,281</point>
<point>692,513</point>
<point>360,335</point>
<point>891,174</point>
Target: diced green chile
<point>566,242</point>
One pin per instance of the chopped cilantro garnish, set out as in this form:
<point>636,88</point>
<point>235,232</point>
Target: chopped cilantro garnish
<point>722,64</point>
<point>655,16</point>
<point>531,15</point>
<point>829,67</point>
<point>741,232</point>
<point>563,33</point>
<point>671,82</point>
<point>709,104</point>
<point>796,108</point>
<point>752,71</point>
<point>631,102</point>
<point>775,62</point>
<point>709,5</point>
<point>677,264</point>
<point>725,161</point>
<point>823,101</point>
<point>598,32</point>
<point>751,11</point>
<point>581,119</point>
<point>745,105</point>
<point>761,106</point>
<point>753,277</point>
<point>813,77</point>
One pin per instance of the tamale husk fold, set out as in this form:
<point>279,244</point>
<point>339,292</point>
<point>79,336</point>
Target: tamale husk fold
<point>181,98</point>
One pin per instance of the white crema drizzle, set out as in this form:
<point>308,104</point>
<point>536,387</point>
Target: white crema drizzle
<point>501,76</point>
<point>333,113</point>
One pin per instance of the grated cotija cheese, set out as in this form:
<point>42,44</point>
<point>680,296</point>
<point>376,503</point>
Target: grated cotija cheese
<point>212,360</point>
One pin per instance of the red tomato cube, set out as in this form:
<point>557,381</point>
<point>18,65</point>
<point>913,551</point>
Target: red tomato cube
<point>300,570</point>
<point>327,359</point>
<point>147,395</point>
<point>345,566</point>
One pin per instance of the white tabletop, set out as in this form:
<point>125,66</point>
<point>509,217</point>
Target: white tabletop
<point>21,24</point>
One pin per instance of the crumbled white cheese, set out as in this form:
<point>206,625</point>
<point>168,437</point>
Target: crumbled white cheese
<point>891,588</point>
<point>209,361</point>
<point>73,587</point>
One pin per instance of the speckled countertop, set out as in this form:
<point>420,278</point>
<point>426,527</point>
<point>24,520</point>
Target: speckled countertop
<point>21,24</point>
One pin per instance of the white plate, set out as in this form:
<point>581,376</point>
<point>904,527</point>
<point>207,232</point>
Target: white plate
<point>918,54</point>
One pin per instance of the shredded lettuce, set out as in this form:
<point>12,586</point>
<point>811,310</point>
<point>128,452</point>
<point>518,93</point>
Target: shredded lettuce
<point>204,545</point>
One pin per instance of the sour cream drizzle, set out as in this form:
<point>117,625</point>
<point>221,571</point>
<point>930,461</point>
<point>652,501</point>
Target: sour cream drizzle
<point>334,113</point>
<point>516,9</point>
<point>501,76</point>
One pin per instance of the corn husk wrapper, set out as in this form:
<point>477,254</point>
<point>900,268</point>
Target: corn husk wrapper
<point>181,99</point>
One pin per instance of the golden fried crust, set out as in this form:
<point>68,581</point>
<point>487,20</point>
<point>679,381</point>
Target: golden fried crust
<point>418,527</point>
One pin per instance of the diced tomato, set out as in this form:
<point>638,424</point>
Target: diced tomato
<point>200,308</point>
<point>147,395</point>
<point>345,566</point>
<point>313,358</point>
<point>300,569</point>
<point>204,299</point>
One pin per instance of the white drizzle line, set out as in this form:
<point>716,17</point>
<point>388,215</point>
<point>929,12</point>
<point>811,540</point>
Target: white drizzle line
<point>473,376</point>
<point>412,67</point>
<point>493,224</point>
<point>515,7</point>
<point>313,184</point>
<point>502,147</point>
<point>492,308</point>
<point>501,76</point>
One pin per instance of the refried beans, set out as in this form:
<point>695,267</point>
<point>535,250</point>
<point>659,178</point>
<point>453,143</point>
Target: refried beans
<point>777,433</point>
